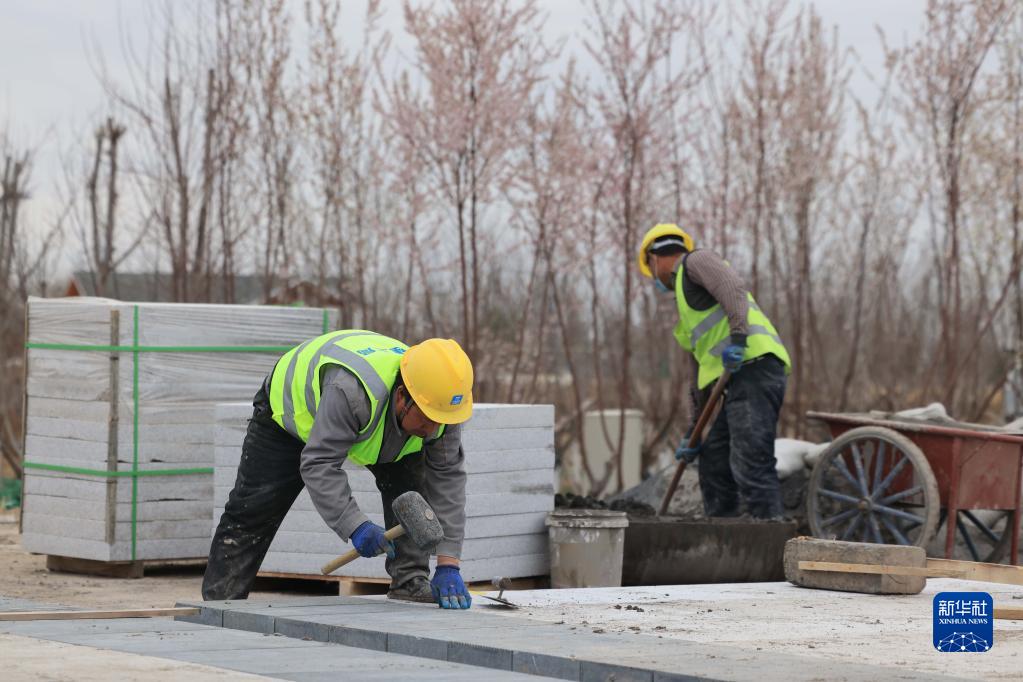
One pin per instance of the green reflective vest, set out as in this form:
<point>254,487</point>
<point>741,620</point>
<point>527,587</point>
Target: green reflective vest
<point>373,358</point>
<point>706,334</point>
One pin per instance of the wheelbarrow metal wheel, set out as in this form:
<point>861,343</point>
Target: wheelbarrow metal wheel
<point>873,484</point>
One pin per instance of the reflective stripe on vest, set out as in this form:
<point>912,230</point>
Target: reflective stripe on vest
<point>706,333</point>
<point>372,358</point>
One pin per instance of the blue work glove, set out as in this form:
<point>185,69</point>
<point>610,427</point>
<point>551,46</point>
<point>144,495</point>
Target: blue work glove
<point>732,357</point>
<point>689,454</point>
<point>368,539</point>
<point>448,588</point>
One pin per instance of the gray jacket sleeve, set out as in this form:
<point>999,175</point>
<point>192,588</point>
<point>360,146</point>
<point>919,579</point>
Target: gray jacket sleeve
<point>707,269</point>
<point>445,488</point>
<point>343,411</point>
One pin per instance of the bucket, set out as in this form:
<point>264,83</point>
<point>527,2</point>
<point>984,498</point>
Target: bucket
<point>586,547</point>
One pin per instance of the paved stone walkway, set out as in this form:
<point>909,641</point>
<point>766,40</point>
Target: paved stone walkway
<point>273,655</point>
<point>521,645</point>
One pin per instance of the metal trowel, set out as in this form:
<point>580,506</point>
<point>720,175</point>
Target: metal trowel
<point>500,584</point>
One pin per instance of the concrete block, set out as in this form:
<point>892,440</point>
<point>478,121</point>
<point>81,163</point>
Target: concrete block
<point>53,629</point>
<point>677,677</point>
<point>245,620</point>
<point>479,655</point>
<point>813,549</point>
<point>560,667</point>
<point>161,643</point>
<point>415,645</point>
<point>590,671</point>
<point>357,637</point>
<point>206,616</point>
<point>301,629</point>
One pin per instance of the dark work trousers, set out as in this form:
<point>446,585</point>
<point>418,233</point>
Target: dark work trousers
<point>738,471</point>
<point>268,482</point>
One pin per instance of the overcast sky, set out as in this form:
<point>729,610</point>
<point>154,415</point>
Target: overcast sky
<point>49,94</point>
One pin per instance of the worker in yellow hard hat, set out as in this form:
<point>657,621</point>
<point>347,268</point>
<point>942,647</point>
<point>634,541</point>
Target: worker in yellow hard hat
<point>724,329</point>
<point>370,399</point>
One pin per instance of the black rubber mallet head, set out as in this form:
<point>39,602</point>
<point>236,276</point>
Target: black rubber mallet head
<point>415,518</point>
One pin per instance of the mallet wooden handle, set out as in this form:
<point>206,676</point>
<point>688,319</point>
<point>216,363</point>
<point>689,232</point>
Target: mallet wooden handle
<point>695,437</point>
<point>352,555</point>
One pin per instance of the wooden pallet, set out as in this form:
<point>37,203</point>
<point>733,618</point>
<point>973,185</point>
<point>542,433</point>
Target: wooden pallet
<point>111,569</point>
<point>358,587</point>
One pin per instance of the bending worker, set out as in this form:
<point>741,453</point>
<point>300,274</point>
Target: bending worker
<point>724,328</point>
<point>363,396</point>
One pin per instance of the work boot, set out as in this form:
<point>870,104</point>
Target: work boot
<point>415,589</point>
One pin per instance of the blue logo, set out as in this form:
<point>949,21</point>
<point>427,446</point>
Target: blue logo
<point>399,350</point>
<point>963,621</point>
<point>366,351</point>
<point>456,400</point>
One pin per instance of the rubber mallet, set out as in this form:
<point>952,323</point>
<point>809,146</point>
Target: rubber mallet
<point>415,518</point>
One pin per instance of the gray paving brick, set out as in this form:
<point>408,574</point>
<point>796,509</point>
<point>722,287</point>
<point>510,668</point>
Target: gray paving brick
<point>252,622</point>
<point>608,672</point>
<point>44,628</point>
<point>158,643</point>
<point>415,645</point>
<point>357,637</point>
<point>560,667</point>
<point>301,629</point>
<point>476,654</point>
<point>677,677</point>
<point>354,610</point>
<point>207,615</point>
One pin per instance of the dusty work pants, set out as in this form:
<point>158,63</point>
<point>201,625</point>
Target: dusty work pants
<point>738,470</point>
<point>268,482</point>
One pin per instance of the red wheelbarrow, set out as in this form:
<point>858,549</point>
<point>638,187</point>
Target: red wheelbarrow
<point>903,481</point>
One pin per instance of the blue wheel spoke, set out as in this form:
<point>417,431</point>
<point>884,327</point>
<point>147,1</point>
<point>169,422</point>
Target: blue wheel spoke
<point>893,528</point>
<point>839,517</point>
<point>838,496</point>
<point>878,464</point>
<point>844,469</point>
<point>876,529</point>
<point>899,514</point>
<point>889,478</point>
<point>852,527</point>
<point>981,526</point>
<point>961,527</point>
<point>909,492</point>
<point>861,476</point>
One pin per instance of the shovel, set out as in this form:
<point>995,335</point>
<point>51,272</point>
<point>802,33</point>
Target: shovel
<point>696,436</point>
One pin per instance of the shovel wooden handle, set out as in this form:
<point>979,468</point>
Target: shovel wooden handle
<point>696,436</point>
<point>353,554</point>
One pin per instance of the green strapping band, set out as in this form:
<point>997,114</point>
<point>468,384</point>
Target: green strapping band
<point>134,429</point>
<point>118,474</point>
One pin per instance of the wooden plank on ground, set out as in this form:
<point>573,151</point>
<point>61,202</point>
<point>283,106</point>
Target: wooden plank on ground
<point>974,570</point>
<point>936,568</point>
<point>879,569</point>
<point>106,569</point>
<point>105,614</point>
<point>1009,612</point>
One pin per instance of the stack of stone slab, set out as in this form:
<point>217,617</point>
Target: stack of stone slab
<point>509,456</point>
<point>103,485</point>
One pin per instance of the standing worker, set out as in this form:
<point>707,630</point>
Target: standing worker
<point>354,394</point>
<point>724,328</point>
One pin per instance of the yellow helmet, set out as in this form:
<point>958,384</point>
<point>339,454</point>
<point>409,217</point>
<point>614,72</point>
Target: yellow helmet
<point>438,376</point>
<point>656,232</point>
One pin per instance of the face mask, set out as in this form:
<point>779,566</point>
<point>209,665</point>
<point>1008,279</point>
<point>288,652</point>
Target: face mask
<point>659,286</point>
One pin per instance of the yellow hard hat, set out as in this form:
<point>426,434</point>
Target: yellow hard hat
<point>438,376</point>
<point>656,232</point>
